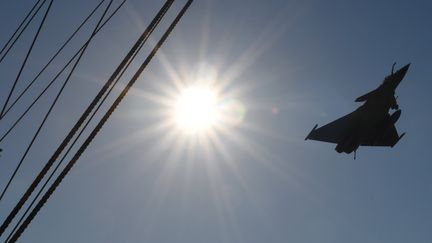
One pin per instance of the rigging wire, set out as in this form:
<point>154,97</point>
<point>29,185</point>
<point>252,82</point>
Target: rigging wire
<point>83,147</point>
<point>78,124</point>
<point>53,57</point>
<point>52,106</point>
<point>77,137</point>
<point>19,27</point>
<point>26,57</point>
<point>57,75</point>
<point>19,35</point>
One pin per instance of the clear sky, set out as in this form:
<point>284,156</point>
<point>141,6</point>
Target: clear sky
<point>286,65</point>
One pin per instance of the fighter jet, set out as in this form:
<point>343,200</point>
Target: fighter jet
<point>370,124</point>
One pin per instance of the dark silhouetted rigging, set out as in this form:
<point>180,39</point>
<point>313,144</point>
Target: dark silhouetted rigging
<point>85,119</point>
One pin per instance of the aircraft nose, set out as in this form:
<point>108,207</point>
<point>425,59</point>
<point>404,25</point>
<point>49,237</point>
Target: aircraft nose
<point>401,72</point>
<point>405,68</point>
<point>397,77</point>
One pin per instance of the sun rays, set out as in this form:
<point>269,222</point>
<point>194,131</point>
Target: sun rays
<point>198,115</point>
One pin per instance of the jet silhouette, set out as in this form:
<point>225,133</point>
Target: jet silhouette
<point>370,124</point>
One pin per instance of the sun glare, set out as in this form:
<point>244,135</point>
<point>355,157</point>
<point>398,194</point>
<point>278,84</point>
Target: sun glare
<point>197,109</point>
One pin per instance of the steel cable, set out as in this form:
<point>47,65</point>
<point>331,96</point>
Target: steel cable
<point>55,77</point>
<point>19,35</point>
<point>77,125</point>
<point>76,139</point>
<point>83,147</point>
<point>52,58</point>
<point>26,57</point>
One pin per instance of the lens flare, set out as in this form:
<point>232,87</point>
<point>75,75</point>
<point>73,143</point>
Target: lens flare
<point>232,112</point>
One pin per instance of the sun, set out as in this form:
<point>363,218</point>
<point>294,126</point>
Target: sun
<point>197,109</point>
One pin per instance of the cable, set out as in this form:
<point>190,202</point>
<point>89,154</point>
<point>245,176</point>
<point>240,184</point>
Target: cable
<point>83,117</point>
<point>53,57</point>
<point>52,106</point>
<point>19,35</point>
<point>55,78</point>
<point>19,27</point>
<point>26,57</point>
<point>75,140</point>
<point>83,147</point>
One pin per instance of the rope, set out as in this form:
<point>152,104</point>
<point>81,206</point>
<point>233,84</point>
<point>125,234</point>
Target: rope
<point>26,57</point>
<point>55,78</point>
<point>52,105</point>
<point>53,57</point>
<point>19,35</point>
<point>84,116</point>
<point>83,147</point>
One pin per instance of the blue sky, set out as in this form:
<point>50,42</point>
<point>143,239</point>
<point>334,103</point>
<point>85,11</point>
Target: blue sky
<point>307,59</point>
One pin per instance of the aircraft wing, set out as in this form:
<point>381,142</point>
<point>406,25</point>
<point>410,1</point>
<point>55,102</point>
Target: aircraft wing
<point>333,132</point>
<point>389,139</point>
<point>366,96</point>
